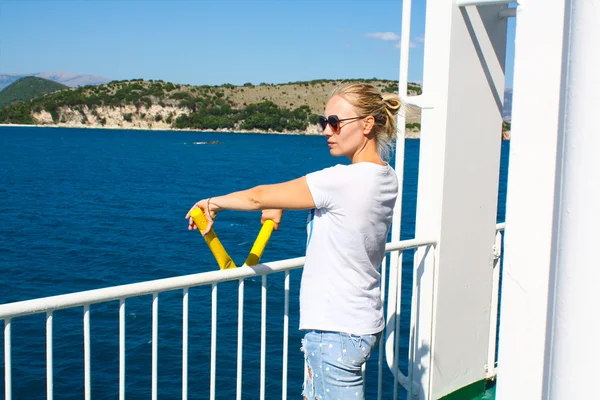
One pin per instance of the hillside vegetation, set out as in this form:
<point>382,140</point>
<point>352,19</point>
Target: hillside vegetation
<point>290,107</point>
<point>26,89</point>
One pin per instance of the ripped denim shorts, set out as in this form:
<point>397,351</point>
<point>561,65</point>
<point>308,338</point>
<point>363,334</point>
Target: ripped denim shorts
<point>332,366</point>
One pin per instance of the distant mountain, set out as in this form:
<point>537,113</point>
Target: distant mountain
<point>26,89</point>
<point>8,79</point>
<point>66,78</point>
<point>73,80</point>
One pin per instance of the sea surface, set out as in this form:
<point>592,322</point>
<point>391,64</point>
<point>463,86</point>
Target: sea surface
<point>85,209</point>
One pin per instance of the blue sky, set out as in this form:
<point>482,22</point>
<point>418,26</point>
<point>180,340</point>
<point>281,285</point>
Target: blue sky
<point>209,41</point>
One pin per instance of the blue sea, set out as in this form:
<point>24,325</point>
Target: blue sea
<point>85,209</point>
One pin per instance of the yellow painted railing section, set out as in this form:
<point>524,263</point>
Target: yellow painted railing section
<point>216,247</point>
<point>260,243</point>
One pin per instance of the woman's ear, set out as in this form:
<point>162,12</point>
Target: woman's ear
<point>369,123</point>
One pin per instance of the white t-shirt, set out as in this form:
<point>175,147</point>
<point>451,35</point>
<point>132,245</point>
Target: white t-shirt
<point>347,231</point>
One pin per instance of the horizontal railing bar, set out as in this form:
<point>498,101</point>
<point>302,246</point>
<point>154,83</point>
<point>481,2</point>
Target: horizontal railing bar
<point>501,226</point>
<point>53,303</point>
<point>143,288</point>
<point>464,3</point>
<point>408,244</point>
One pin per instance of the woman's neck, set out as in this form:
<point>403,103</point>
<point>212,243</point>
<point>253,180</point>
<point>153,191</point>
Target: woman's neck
<point>368,153</point>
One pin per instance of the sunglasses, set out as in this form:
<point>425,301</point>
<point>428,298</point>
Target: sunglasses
<point>333,121</point>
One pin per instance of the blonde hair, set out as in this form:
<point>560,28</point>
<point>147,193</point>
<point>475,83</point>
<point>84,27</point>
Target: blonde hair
<point>367,100</point>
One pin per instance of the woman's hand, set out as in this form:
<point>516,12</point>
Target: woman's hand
<point>272,214</point>
<point>209,214</point>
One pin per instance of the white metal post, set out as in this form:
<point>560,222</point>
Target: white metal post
<point>286,330</point>
<point>395,276</point>
<point>7,361</point>
<point>87,352</point>
<point>381,360</point>
<point>213,342</point>
<point>263,338</point>
<point>572,338</point>
<point>122,349</point>
<point>184,347</point>
<point>490,372</point>
<point>240,340</point>
<point>463,86</point>
<point>49,357</point>
<point>154,346</point>
<point>530,198</point>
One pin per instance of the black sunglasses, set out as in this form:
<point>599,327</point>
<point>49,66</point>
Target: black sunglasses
<point>333,121</point>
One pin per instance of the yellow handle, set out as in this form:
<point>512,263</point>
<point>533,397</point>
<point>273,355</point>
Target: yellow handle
<point>260,243</point>
<point>213,242</point>
<point>221,255</point>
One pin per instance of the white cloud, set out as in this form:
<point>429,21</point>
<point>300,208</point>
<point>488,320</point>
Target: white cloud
<point>391,36</point>
<point>383,35</point>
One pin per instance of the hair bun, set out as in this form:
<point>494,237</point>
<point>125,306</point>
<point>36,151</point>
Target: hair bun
<point>392,102</point>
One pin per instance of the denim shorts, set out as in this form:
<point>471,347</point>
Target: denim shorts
<point>332,366</point>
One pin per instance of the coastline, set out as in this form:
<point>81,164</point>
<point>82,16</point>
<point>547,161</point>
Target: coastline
<point>409,134</point>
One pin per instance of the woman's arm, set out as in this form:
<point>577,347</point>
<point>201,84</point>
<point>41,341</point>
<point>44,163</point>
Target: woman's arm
<point>291,195</point>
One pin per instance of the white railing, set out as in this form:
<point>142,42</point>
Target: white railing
<point>491,364</point>
<point>48,305</point>
<point>466,3</point>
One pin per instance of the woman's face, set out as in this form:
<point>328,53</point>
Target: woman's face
<point>349,136</point>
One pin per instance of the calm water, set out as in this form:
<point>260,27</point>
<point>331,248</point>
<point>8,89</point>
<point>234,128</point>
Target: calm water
<point>84,209</point>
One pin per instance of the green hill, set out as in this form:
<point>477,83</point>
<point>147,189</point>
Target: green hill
<point>287,107</point>
<point>26,89</point>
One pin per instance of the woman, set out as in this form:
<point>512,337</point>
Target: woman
<point>350,215</point>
